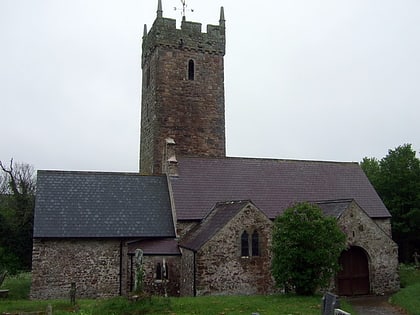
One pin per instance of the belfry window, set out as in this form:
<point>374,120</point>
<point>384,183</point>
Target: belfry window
<point>244,244</point>
<point>191,70</point>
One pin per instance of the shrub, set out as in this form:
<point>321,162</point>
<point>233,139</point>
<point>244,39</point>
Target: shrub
<point>306,248</point>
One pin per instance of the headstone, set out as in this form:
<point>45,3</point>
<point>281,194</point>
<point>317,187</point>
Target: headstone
<point>49,309</point>
<point>329,303</point>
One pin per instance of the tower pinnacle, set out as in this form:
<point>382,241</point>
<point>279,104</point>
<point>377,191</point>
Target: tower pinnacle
<point>222,16</point>
<point>159,9</point>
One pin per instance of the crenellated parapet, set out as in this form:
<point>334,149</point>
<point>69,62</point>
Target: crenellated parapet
<point>189,37</point>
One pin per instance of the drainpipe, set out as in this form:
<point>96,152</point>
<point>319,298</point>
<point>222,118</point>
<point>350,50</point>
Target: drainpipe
<point>131,273</point>
<point>121,267</point>
<point>194,276</point>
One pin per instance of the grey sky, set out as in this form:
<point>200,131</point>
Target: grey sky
<point>304,79</point>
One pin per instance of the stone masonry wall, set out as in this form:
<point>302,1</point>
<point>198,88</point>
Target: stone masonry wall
<point>94,265</point>
<point>183,227</point>
<point>169,286</point>
<point>192,112</point>
<point>187,273</point>
<point>382,251</point>
<point>220,267</point>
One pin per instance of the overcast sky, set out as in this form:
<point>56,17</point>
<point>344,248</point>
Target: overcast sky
<point>304,79</point>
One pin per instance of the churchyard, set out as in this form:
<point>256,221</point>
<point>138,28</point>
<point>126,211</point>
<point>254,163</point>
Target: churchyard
<point>17,302</point>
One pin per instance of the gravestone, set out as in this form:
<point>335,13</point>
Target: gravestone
<point>337,311</point>
<point>329,303</point>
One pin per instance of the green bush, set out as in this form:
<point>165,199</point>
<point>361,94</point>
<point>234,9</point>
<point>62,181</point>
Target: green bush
<point>306,248</point>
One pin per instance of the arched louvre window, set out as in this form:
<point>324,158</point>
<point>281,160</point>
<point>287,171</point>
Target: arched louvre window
<point>244,244</point>
<point>255,244</point>
<point>191,70</point>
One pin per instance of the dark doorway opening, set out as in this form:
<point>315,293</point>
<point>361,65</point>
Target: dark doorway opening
<point>353,279</point>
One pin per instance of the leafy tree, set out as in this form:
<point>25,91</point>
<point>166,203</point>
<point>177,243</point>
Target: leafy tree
<point>306,248</point>
<point>372,169</point>
<point>17,201</point>
<point>396,178</point>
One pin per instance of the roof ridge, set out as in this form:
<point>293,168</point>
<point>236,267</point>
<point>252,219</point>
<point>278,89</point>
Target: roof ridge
<point>95,173</point>
<point>266,159</point>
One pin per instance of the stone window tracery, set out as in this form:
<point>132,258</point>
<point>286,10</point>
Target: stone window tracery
<point>250,244</point>
<point>255,244</point>
<point>244,244</point>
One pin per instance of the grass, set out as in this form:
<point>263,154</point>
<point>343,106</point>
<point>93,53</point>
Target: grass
<point>408,297</point>
<point>18,286</point>
<point>209,305</point>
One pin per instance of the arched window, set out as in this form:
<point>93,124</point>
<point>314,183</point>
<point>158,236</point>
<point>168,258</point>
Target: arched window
<point>255,244</point>
<point>191,70</point>
<point>244,244</point>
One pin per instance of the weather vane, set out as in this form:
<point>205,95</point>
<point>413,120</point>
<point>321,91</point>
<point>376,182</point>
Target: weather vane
<point>184,8</point>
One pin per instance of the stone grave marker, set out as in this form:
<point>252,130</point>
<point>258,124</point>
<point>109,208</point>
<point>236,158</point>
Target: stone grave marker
<point>329,303</point>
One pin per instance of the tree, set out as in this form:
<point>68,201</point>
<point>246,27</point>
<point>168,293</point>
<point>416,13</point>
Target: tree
<point>306,248</point>
<point>17,202</point>
<point>397,180</point>
<point>371,168</point>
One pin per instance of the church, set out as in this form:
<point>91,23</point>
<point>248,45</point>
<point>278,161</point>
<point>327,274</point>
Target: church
<point>194,221</point>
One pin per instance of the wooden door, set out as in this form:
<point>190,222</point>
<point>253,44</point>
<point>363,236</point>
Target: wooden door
<point>353,279</point>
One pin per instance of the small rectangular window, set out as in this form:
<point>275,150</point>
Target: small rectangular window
<point>191,70</point>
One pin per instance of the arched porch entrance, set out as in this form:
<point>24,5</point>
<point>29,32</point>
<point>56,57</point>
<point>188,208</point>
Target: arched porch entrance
<point>353,279</point>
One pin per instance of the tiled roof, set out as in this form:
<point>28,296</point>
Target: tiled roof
<point>219,216</point>
<point>99,204</point>
<point>167,247</point>
<point>272,185</point>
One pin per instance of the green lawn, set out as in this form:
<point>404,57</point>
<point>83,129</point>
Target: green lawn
<point>214,305</point>
<point>408,297</point>
<point>211,305</point>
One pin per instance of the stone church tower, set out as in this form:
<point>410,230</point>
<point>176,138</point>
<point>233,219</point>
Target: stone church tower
<point>182,91</point>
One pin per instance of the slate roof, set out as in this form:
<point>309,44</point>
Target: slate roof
<point>218,217</point>
<point>162,247</point>
<point>223,212</point>
<point>272,185</point>
<point>334,208</point>
<point>100,204</point>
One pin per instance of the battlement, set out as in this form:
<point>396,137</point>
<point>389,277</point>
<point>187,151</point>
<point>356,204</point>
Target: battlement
<point>189,37</point>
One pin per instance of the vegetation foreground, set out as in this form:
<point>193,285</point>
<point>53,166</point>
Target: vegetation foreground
<point>406,298</point>
<point>211,305</point>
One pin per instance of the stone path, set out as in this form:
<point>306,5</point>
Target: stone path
<point>374,305</point>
